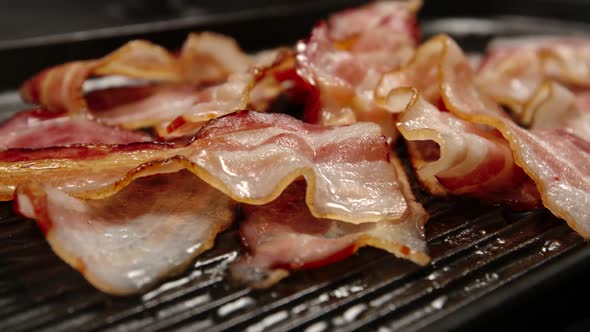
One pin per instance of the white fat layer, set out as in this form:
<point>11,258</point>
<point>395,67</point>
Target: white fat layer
<point>150,229</point>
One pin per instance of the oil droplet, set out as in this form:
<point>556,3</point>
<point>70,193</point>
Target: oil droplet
<point>238,304</point>
<point>298,309</point>
<point>317,327</point>
<point>323,298</point>
<point>487,279</point>
<point>439,302</point>
<point>183,306</point>
<point>491,276</point>
<point>268,321</point>
<point>551,245</point>
<point>381,300</point>
<point>350,314</point>
<point>346,291</point>
<point>353,312</point>
<point>433,276</point>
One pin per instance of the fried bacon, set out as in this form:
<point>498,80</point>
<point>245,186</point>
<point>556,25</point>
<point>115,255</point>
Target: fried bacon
<point>555,159</point>
<point>125,243</point>
<point>209,78</point>
<point>76,169</point>
<point>126,213</point>
<point>468,159</point>
<point>530,76</point>
<point>249,156</point>
<point>282,236</point>
<point>345,57</point>
<point>60,88</point>
<point>39,128</point>
<point>172,109</point>
<point>254,89</point>
<point>245,157</point>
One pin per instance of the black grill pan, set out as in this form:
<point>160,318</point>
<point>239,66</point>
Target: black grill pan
<point>487,261</point>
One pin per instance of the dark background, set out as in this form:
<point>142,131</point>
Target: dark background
<point>37,18</point>
<point>37,33</point>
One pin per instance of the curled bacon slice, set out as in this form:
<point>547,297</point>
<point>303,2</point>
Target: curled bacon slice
<point>181,108</point>
<point>126,242</point>
<point>555,159</point>
<point>468,160</point>
<point>527,74</point>
<point>254,88</point>
<point>345,57</point>
<point>60,88</point>
<point>76,169</point>
<point>251,157</point>
<point>211,57</point>
<point>173,110</point>
<point>282,236</point>
<point>40,128</point>
<point>247,157</point>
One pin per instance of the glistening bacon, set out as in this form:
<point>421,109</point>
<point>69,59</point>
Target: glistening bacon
<point>255,89</point>
<point>39,128</point>
<point>467,159</point>
<point>172,109</point>
<point>76,169</point>
<point>249,156</point>
<point>125,243</point>
<point>530,76</point>
<point>60,88</point>
<point>282,236</point>
<point>555,159</point>
<point>345,57</point>
<point>179,107</point>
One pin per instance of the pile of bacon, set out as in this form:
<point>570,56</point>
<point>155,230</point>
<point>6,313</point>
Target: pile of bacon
<point>134,162</point>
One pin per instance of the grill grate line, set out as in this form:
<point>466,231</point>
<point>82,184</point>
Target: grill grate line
<point>142,308</point>
<point>434,290</point>
<point>525,256</point>
<point>32,318</point>
<point>275,307</point>
<point>381,287</point>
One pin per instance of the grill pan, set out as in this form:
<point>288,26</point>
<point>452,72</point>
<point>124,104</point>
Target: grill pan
<point>486,260</point>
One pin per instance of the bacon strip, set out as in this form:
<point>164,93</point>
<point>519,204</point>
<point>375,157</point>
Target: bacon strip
<point>76,169</point>
<point>181,107</point>
<point>211,58</point>
<point>282,236</point>
<point>345,57</point>
<point>207,104</point>
<point>468,159</point>
<point>527,75</point>
<point>60,88</point>
<point>555,159</point>
<point>125,243</point>
<point>172,109</point>
<point>251,157</point>
<point>247,157</point>
<point>40,128</point>
<point>254,88</point>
